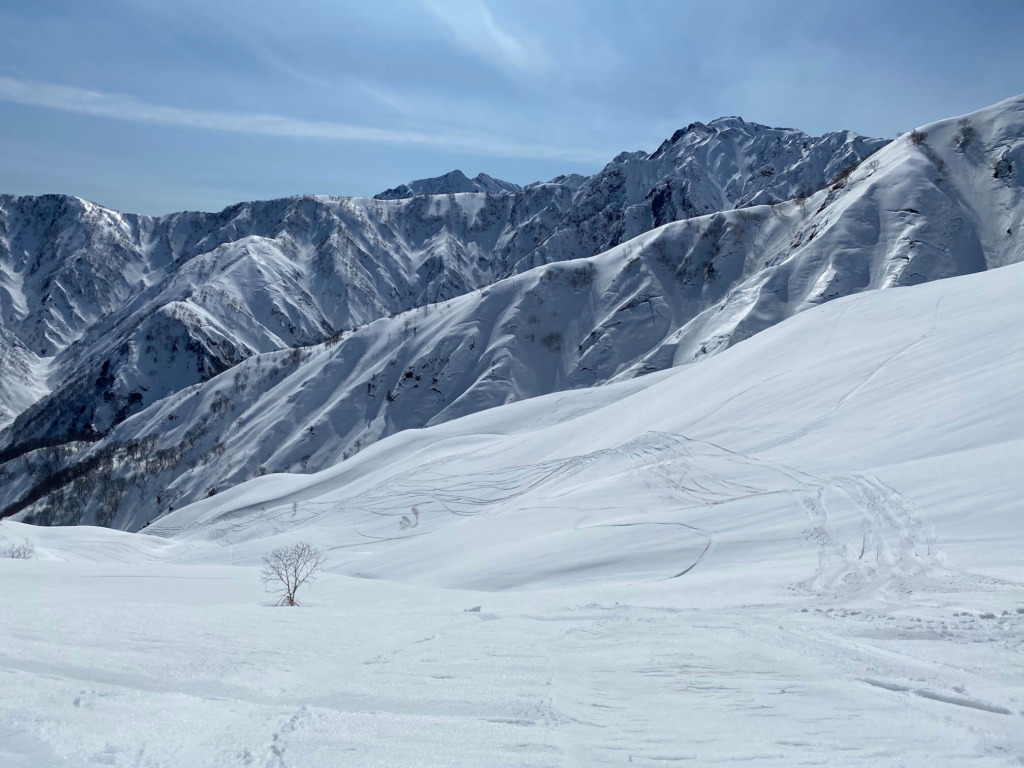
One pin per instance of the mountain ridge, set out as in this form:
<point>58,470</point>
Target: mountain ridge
<point>453,303</point>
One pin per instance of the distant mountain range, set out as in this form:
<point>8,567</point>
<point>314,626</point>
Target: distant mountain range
<point>149,362</point>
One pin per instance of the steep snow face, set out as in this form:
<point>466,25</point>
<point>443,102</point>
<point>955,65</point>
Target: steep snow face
<point>64,264</point>
<point>914,212</point>
<point>726,164</point>
<point>23,374</point>
<point>252,279</point>
<point>730,159</point>
<point>452,182</point>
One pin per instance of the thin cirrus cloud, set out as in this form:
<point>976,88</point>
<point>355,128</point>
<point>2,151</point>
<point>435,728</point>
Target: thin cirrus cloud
<point>475,29</point>
<point>128,108</point>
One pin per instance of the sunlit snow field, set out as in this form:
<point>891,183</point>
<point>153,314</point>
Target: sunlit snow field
<point>804,551</point>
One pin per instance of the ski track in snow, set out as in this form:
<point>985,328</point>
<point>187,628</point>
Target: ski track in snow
<point>673,472</point>
<point>550,681</point>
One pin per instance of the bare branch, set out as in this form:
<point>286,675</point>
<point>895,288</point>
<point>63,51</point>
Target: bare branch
<point>287,568</point>
<point>24,551</point>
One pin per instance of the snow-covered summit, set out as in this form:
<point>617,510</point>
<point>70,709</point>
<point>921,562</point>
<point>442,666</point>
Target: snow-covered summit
<point>453,182</point>
<point>755,164</point>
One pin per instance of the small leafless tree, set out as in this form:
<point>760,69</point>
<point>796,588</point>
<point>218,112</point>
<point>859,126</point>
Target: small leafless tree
<point>917,138</point>
<point>288,568</point>
<point>24,551</point>
<point>965,133</point>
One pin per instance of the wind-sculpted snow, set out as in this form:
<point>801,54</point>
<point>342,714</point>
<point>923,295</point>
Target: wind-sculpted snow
<point>699,481</point>
<point>290,335</point>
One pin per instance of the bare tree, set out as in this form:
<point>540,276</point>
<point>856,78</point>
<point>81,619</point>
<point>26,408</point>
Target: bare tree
<point>288,568</point>
<point>111,493</point>
<point>965,133</point>
<point>24,551</point>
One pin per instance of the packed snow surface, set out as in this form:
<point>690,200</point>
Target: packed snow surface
<point>805,550</point>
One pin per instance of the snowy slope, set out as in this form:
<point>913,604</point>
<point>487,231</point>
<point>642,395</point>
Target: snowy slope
<point>805,550</point>
<point>840,425</point>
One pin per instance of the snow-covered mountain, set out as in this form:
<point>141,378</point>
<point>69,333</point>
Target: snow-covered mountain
<point>288,335</point>
<point>804,549</point>
<point>262,276</point>
<point>451,183</point>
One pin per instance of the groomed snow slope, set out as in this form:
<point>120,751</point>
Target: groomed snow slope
<point>805,551</point>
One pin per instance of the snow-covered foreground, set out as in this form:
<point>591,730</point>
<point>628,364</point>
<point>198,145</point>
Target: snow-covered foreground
<point>156,665</point>
<point>804,551</point>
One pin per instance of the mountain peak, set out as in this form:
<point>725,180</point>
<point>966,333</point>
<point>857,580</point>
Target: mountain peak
<point>452,182</point>
<point>727,121</point>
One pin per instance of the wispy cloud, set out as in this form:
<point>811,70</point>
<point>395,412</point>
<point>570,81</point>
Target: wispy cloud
<point>475,29</point>
<point>128,108</point>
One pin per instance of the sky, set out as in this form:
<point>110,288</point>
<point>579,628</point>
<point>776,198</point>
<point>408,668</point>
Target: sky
<point>154,107</point>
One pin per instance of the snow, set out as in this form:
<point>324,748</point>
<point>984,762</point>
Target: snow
<point>673,296</point>
<point>803,551</point>
<point>488,297</point>
<point>187,665</point>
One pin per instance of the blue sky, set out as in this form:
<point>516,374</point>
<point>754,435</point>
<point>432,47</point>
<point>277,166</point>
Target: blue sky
<point>162,106</point>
